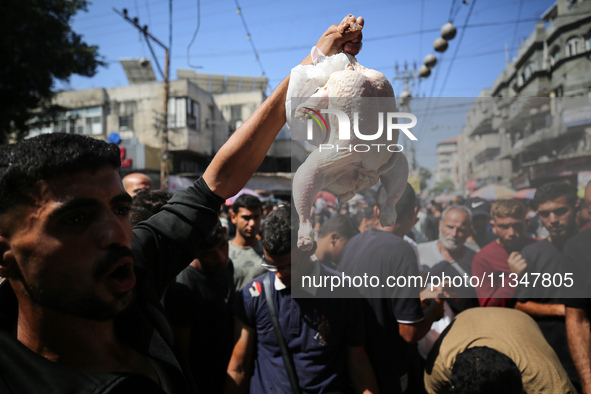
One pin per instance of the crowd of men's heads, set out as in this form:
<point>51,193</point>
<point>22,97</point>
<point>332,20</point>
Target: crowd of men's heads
<point>35,172</point>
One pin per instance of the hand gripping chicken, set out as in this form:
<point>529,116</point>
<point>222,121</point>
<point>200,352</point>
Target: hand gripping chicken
<point>343,166</point>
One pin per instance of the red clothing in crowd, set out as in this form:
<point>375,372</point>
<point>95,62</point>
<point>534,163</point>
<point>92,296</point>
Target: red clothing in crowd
<point>493,259</point>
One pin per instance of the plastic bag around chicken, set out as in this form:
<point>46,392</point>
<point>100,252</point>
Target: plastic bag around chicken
<point>303,83</point>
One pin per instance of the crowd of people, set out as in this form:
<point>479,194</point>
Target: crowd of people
<point>389,341</point>
<point>108,286</point>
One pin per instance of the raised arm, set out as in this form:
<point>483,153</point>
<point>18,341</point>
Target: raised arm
<point>578,333</point>
<point>244,152</point>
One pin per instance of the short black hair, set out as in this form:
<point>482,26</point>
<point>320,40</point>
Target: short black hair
<point>407,203</point>
<point>363,213</point>
<point>247,201</point>
<point>280,231</point>
<point>147,203</point>
<point>46,157</point>
<point>341,224</point>
<point>152,200</point>
<point>138,214</point>
<point>553,190</point>
<point>485,370</point>
<point>213,237</point>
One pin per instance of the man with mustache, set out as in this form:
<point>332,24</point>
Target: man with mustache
<point>80,311</point>
<point>450,257</point>
<point>502,256</point>
<point>454,229</point>
<point>556,205</point>
<point>245,248</point>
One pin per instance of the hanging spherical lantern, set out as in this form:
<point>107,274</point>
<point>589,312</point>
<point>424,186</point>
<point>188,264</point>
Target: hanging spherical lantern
<point>424,71</point>
<point>404,97</point>
<point>440,45</point>
<point>448,31</point>
<point>430,60</point>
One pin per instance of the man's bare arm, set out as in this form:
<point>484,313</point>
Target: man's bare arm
<point>412,333</point>
<point>244,152</point>
<point>241,362</point>
<point>536,309</point>
<point>578,333</point>
<point>360,370</point>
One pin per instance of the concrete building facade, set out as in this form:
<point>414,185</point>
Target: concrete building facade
<point>534,124</point>
<point>448,164</point>
<point>203,111</point>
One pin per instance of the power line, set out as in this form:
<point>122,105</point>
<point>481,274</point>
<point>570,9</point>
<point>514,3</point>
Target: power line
<point>457,47</point>
<point>194,35</point>
<point>148,11</point>
<point>137,10</point>
<point>453,13</point>
<point>249,38</point>
<point>463,30</point>
<point>169,29</point>
<point>516,24</point>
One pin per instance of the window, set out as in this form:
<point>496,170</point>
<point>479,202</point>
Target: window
<point>126,123</point>
<point>93,125</point>
<point>61,126</point>
<point>193,114</point>
<point>177,112</point>
<point>125,110</point>
<point>588,42</point>
<point>572,46</point>
<point>555,56</point>
<point>184,112</point>
<point>529,69</point>
<point>81,121</point>
<point>236,112</point>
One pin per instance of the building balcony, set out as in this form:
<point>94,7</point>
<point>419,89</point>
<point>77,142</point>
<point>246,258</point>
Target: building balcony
<point>482,143</point>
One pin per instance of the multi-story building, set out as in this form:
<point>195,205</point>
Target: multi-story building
<point>447,166</point>
<point>538,124</point>
<point>203,111</point>
<point>479,147</point>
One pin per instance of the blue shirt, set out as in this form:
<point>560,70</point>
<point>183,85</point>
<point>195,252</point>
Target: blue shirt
<point>317,332</point>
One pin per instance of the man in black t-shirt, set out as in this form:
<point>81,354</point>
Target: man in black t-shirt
<point>395,321</point>
<point>556,206</point>
<point>199,306</point>
<point>578,310</point>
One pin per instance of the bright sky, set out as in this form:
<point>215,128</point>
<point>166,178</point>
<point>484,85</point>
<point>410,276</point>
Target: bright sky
<point>283,32</point>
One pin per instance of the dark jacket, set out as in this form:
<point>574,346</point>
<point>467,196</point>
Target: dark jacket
<point>162,246</point>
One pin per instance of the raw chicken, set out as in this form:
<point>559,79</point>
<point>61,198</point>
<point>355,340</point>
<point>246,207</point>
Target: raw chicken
<point>339,170</point>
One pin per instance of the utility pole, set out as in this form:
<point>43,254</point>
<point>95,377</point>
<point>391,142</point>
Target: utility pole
<point>164,136</point>
<point>408,78</point>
